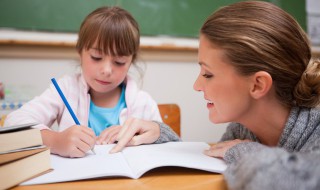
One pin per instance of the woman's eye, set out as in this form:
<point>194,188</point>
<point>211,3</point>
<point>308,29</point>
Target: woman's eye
<point>96,58</point>
<point>207,75</point>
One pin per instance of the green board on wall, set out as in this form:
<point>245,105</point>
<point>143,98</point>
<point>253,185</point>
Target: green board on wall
<point>180,18</point>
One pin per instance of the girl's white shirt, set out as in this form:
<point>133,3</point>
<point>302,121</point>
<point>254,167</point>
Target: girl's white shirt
<point>49,107</point>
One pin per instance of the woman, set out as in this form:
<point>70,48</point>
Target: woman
<point>257,73</point>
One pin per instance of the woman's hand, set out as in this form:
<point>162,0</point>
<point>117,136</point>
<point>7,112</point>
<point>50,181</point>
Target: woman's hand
<point>135,132</point>
<point>109,135</point>
<point>75,141</point>
<point>220,149</point>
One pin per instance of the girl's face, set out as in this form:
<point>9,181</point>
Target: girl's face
<point>225,90</point>
<point>104,73</point>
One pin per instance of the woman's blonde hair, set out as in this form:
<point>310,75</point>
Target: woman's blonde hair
<point>259,36</point>
<point>113,29</point>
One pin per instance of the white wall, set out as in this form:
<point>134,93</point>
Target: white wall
<point>27,77</point>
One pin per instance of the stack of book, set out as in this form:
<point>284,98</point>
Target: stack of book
<point>22,155</point>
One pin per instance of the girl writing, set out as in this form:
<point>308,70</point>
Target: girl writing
<point>103,96</point>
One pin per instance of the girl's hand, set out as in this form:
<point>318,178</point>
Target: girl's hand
<point>135,132</point>
<point>109,135</point>
<point>220,149</point>
<point>75,141</point>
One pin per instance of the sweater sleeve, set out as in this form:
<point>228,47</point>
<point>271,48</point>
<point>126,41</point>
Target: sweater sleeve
<point>166,134</point>
<point>237,131</point>
<point>274,168</point>
<point>238,151</point>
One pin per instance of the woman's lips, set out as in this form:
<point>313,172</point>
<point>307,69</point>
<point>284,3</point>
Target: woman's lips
<point>210,104</point>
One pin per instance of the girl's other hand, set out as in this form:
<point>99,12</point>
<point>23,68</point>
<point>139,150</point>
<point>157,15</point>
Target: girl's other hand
<point>109,135</point>
<point>75,141</point>
<point>219,150</point>
<point>135,132</point>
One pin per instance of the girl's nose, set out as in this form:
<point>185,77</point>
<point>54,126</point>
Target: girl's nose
<point>106,68</point>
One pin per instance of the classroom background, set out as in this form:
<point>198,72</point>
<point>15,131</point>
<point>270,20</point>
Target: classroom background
<point>37,39</point>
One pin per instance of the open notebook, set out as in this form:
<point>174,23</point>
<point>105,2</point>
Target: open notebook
<point>132,162</point>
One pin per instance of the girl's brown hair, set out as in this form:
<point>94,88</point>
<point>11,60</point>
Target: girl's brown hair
<point>259,36</point>
<point>114,31</point>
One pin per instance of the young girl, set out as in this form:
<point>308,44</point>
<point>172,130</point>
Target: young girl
<point>103,96</point>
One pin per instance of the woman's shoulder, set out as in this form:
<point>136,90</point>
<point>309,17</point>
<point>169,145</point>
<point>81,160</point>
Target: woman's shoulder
<point>238,131</point>
<point>315,112</point>
<point>238,128</point>
<point>305,116</point>
<point>235,126</point>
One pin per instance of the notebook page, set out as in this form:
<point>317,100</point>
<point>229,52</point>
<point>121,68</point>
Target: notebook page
<point>184,154</point>
<point>102,164</point>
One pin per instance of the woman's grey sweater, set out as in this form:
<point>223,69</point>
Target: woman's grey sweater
<point>166,134</point>
<point>293,164</point>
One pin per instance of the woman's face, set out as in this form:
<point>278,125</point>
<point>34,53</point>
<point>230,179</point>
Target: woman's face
<point>226,91</point>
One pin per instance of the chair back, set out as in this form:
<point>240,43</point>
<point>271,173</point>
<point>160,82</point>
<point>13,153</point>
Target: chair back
<point>170,114</point>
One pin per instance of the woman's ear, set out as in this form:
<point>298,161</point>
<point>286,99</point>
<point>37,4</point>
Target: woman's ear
<point>261,84</point>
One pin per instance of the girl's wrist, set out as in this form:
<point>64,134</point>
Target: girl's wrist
<point>50,139</point>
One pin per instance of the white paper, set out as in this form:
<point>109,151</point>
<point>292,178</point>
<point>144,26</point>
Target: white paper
<point>91,166</point>
<point>182,154</point>
<point>131,162</point>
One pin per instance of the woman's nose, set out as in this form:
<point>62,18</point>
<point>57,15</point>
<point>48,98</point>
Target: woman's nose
<point>197,84</point>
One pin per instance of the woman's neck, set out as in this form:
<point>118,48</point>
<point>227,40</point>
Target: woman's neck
<point>267,122</point>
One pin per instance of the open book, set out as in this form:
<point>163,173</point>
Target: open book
<point>132,162</point>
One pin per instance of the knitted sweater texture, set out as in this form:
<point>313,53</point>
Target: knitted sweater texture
<point>293,164</point>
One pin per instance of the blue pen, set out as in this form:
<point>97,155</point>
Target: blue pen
<point>67,104</point>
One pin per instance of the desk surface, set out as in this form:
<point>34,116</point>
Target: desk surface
<point>160,178</point>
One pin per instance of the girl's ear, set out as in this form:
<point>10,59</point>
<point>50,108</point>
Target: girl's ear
<point>261,84</point>
<point>79,52</point>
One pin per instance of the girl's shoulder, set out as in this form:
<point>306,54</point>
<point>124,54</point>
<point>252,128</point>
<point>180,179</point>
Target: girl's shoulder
<point>135,96</point>
<point>72,80</point>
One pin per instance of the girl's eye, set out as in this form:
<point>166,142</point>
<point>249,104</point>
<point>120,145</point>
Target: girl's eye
<point>207,75</point>
<point>119,63</point>
<point>96,58</point>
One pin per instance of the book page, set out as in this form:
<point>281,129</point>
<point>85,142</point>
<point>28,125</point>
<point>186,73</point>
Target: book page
<point>16,127</point>
<point>183,154</point>
<point>102,164</point>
